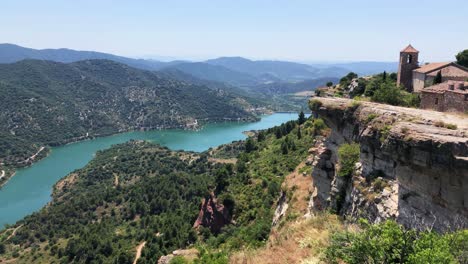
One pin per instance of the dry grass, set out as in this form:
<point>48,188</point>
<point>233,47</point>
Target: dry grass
<point>299,242</point>
<point>300,185</point>
<point>223,161</point>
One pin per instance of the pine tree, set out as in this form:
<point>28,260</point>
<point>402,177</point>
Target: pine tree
<point>299,134</point>
<point>278,133</point>
<point>302,118</point>
<point>384,76</point>
<point>249,145</point>
<point>284,147</point>
<point>260,136</point>
<point>438,78</point>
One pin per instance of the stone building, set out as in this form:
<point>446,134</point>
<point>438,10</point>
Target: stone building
<point>408,63</point>
<point>450,96</point>
<point>415,77</point>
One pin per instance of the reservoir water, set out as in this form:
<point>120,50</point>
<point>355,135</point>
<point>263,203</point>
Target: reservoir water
<point>30,189</point>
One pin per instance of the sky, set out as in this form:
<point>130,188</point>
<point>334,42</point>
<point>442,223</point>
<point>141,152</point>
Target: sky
<point>296,30</point>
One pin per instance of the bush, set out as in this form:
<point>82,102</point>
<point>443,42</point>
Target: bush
<point>318,125</point>
<point>462,58</point>
<point>315,104</point>
<point>389,242</point>
<point>348,155</point>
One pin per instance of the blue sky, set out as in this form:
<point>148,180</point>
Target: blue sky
<point>298,30</point>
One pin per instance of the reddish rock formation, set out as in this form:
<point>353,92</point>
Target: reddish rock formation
<point>213,215</point>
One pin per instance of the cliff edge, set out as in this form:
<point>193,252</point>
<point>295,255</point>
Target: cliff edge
<point>413,164</point>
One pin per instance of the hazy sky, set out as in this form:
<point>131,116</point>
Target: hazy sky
<point>300,30</point>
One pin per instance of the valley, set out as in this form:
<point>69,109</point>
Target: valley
<point>116,160</point>
<point>30,188</point>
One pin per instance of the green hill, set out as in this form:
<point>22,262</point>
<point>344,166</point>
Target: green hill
<point>50,103</point>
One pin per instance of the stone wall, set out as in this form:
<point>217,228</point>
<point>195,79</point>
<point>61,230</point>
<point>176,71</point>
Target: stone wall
<point>419,81</point>
<point>449,101</point>
<point>409,169</point>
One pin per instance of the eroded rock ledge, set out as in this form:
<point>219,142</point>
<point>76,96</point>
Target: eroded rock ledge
<point>413,164</point>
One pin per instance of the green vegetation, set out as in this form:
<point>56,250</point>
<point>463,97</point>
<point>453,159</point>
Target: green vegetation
<point>371,117</point>
<point>437,78</point>
<point>139,191</point>
<point>254,185</point>
<point>47,103</point>
<point>445,125</point>
<point>97,218</point>
<point>315,105</point>
<point>462,58</point>
<point>389,242</point>
<point>379,88</point>
<point>302,118</point>
<point>348,155</point>
<point>389,93</point>
<point>384,133</point>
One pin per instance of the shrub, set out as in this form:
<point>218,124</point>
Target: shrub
<point>445,125</point>
<point>371,117</point>
<point>451,126</point>
<point>348,155</point>
<point>462,58</point>
<point>318,125</point>
<point>384,133</point>
<point>315,104</point>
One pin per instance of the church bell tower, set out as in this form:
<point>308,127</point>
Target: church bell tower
<point>408,63</point>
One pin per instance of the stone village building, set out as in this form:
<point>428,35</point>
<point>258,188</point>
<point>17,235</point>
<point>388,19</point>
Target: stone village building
<point>450,95</point>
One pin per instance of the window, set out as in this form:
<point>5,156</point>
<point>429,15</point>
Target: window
<point>436,101</point>
<point>410,58</point>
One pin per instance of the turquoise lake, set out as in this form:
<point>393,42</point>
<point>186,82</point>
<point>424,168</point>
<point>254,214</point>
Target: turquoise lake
<point>30,189</point>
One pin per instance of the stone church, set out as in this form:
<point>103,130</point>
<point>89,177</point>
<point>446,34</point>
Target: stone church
<point>450,95</point>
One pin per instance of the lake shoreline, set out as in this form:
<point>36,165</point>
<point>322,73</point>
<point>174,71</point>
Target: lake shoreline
<point>48,148</point>
<point>31,187</point>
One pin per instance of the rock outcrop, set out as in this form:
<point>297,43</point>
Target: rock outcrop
<point>413,164</point>
<point>212,215</point>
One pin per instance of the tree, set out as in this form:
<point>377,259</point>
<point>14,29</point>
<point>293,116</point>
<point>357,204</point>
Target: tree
<point>261,136</point>
<point>329,84</point>
<point>299,134</point>
<point>249,145</point>
<point>384,76</point>
<point>462,58</point>
<point>278,133</point>
<point>301,118</point>
<point>438,78</point>
<point>351,76</point>
<point>284,147</point>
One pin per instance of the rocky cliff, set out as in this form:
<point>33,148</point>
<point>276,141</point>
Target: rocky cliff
<point>413,164</point>
<point>212,215</point>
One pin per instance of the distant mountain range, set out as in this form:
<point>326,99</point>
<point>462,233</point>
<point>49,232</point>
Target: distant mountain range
<point>235,71</point>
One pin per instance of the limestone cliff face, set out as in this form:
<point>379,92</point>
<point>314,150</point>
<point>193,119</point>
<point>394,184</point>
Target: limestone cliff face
<point>413,164</point>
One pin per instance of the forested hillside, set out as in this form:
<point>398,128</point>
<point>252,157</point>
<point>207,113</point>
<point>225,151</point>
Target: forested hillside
<point>49,103</point>
<point>138,191</point>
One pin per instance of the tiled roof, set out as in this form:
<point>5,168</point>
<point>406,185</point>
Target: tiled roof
<point>452,71</point>
<point>432,67</point>
<point>444,87</point>
<point>410,49</point>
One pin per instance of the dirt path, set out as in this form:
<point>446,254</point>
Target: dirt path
<point>139,248</point>
<point>33,156</point>
<point>116,180</point>
<point>13,233</point>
